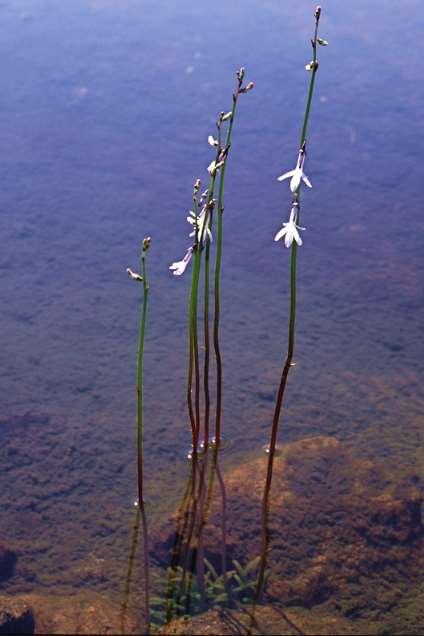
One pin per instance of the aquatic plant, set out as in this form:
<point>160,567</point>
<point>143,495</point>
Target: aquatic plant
<point>141,278</point>
<point>237,586</point>
<point>139,503</point>
<point>202,224</point>
<point>292,241</point>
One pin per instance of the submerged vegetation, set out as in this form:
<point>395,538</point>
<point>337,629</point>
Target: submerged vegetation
<point>243,346</point>
<point>193,582</point>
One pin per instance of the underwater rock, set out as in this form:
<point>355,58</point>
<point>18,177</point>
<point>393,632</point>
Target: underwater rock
<point>85,613</point>
<point>265,620</point>
<point>336,534</point>
<point>7,562</point>
<point>16,616</point>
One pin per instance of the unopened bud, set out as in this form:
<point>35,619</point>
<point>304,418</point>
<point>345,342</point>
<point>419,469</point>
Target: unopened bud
<point>212,141</point>
<point>317,12</point>
<point>322,42</point>
<point>240,74</point>
<point>311,66</point>
<point>146,243</point>
<point>197,185</point>
<point>247,88</point>
<point>227,116</point>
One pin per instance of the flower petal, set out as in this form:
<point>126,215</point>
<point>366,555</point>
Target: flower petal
<point>179,267</point>
<point>286,175</point>
<point>289,238</point>
<point>306,180</point>
<point>295,181</point>
<point>296,236</point>
<point>281,232</point>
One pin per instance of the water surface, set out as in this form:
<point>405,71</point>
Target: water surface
<point>105,111</point>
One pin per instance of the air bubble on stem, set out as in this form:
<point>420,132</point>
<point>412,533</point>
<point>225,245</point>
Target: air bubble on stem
<point>278,449</point>
<point>224,444</point>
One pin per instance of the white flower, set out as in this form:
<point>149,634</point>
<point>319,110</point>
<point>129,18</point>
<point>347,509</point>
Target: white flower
<point>134,275</point>
<point>179,267</point>
<point>214,166</point>
<point>202,224</point>
<point>290,230</point>
<point>297,174</point>
<point>212,141</point>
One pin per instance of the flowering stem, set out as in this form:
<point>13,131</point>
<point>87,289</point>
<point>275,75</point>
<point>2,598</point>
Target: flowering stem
<point>194,350</point>
<point>291,334</point>
<point>207,344</point>
<point>140,356</point>
<point>218,263</point>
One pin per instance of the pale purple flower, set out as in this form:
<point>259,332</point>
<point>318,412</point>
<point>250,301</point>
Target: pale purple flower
<point>179,267</point>
<point>297,175</point>
<point>290,230</point>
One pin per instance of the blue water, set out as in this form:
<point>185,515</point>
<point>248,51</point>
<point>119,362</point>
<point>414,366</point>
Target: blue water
<point>105,110</point>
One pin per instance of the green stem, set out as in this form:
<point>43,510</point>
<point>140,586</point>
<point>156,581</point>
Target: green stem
<point>290,347</point>
<point>191,362</point>
<point>195,290</point>
<point>207,344</point>
<point>139,390</point>
<point>217,276</point>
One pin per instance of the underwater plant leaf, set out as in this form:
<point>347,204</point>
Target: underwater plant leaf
<point>211,568</point>
<point>239,569</point>
<point>252,565</point>
<point>157,600</point>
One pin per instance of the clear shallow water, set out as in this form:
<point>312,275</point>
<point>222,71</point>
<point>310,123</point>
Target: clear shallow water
<point>105,111</point>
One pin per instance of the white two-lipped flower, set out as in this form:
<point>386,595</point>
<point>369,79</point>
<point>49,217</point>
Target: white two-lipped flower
<point>297,175</point>
<point>200,224</point>
<point>179,267</point>
<point>290,230</point>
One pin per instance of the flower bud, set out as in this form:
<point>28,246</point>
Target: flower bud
<point>240,74</point>
<point>318,12</point>
<point>311,66</point>
<point>322,42</point>
<point>146,243</point>
<point>227,116</point>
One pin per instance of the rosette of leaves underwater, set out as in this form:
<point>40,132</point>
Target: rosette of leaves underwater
<point>202,224</point>
<point>292,241</point>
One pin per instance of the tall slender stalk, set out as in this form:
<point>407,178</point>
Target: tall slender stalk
<point>193,365</point>
<point>288,363</point>
<point>140,515</point>
<point>218,256</point>
<point>142,278</point>
<point>203,224</point>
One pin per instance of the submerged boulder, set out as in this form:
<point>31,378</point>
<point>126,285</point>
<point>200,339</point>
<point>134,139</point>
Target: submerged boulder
<point>262,620</point>
<point>85,613</point>
<point>334,530</point>
<point>16,616</point>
